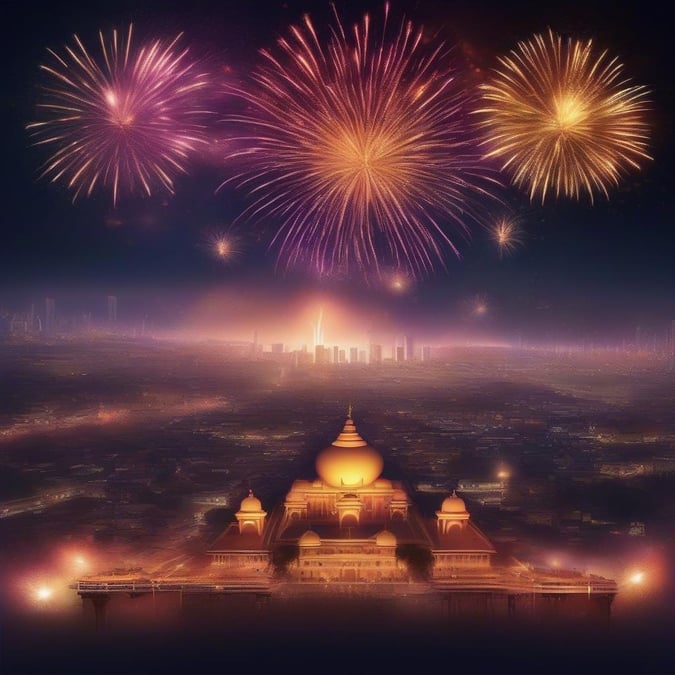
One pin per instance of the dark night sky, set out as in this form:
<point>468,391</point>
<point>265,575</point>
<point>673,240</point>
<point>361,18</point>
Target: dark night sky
<point>583,266</point>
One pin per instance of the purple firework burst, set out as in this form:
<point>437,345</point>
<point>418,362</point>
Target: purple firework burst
<point>128,120</point>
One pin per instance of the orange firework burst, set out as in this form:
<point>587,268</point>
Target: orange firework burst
<point>507,234</point>
<point>223,245</point>
<point>360,148</point>
<point>562,119</point>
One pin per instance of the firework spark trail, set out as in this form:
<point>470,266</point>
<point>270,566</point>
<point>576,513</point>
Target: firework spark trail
<point>360,148</point>
<point>127,121</point>
<point>562,119</point>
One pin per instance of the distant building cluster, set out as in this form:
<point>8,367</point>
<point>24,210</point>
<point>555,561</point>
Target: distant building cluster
<point>46,319</point>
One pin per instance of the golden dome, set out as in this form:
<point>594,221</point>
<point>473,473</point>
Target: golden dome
<point>453,504</point>
<point>250,503</point>
<point>385,538</point>
<point>349,461</point>
<point>309,538</point>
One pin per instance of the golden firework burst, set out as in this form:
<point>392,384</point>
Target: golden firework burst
<point>562,119</point>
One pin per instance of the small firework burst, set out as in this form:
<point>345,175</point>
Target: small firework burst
<point>223,245</point>
<point>507,234</point>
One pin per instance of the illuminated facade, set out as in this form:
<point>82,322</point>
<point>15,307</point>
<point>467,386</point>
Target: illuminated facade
<point>350,524</point>
<point>350,530</point>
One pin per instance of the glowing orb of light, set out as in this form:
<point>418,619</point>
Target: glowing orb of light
<point>637,578</point>
<point>44,594</point>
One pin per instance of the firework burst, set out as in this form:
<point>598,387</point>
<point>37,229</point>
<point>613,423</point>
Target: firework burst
<point>128,120</point>
<point>360,148</point>
<point>223,245</point>
<point>479,307</point>
<point>506,233</point>
<point>562,119</point>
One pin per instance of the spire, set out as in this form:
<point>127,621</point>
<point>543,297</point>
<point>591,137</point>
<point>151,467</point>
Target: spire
<point>349,410</point>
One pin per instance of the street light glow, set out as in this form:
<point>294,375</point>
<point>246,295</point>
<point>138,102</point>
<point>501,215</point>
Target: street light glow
<point>637,578</point>
<point>44,593</point>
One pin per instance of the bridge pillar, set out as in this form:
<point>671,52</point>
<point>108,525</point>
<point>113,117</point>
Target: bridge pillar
<point>262,602</point>
<point>99,602</point>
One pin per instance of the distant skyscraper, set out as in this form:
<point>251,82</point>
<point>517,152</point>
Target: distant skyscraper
<point>342,356</point>
<point>336,354</point>
<point>353,355</point>
<point>362,356</point>
<point>321,355</point>
<point>426,353</point>
<point>409,344</point>
<point>50,316</point>
<point>254,345</point>
<point>278,348</point>
<point>112,309</point>
<point>376,353</point>
<point>400,354</point>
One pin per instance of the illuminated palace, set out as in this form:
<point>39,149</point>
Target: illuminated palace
<point>347,524</point>
<point>352,528</point>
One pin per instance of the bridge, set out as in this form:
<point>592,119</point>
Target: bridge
<point>138,586</point>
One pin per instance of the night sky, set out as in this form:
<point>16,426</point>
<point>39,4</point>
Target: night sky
<point>583,269</point>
